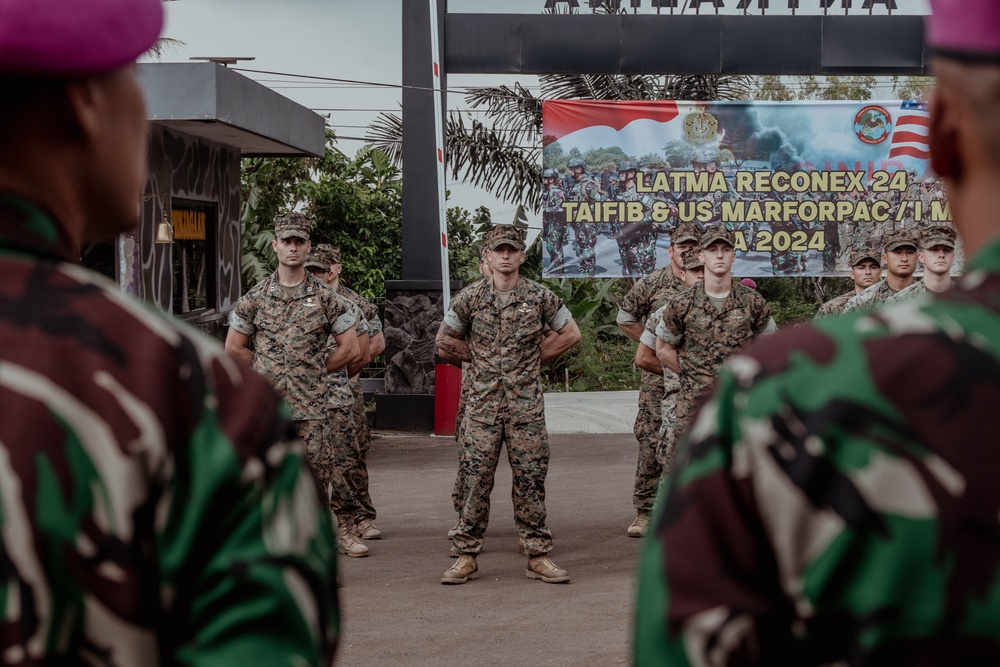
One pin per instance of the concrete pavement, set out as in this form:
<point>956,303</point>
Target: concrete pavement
<point>591,411</point>
<point>397,613</point>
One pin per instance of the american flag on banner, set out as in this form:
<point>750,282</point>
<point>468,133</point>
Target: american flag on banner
<point>909,136</point>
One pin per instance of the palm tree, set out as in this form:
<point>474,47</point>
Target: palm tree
<point>502,154</point>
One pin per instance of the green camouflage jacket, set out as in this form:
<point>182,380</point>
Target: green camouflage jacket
<point>506,346</point>
<point>290,338</point>
<point>155,505</point>
<point>836,501</point>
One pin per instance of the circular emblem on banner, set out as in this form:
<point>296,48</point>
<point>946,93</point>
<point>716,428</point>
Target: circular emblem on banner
<point>701,127</point>
<point>873,124</point>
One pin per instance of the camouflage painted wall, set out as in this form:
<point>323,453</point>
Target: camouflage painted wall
<point>186,167</point>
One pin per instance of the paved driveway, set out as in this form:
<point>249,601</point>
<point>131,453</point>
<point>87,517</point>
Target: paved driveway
<point>397,613</point>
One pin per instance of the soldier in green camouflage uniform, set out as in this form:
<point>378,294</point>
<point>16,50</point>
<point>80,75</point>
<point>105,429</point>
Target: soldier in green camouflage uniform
<point>586,191</point>
<point>658,391</point>
<point>554,222</point>
<point>837,501</point>
<point>865,272</point>
<point>705,325</point>
<point>290,317</point>
<point>899,255</point>
<point>937,255</point>
<point>636,240</point>
<point>497,325</point>
<point>156,504</point>
<point>787,262</point>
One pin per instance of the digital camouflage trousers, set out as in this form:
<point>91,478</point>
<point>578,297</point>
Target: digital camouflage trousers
<point>363,443</point>
<point>528,454</point>
<point>330,460</point>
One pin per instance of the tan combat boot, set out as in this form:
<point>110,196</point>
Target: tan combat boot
<point>640,526</point>
<point>366,530</point>
<point>347,543</point>
<point>542,567</point>
<point>465,568</point>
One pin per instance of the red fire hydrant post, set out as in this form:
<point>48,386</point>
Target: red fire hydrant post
<point>447,388</point>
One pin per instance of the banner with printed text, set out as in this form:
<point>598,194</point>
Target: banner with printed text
<point>802,184</point>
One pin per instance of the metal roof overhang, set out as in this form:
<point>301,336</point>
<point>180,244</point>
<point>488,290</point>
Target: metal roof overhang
<point>215,103</point>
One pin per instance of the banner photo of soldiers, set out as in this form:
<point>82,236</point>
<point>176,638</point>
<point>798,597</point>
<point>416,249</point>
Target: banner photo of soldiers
<point>801,183</point>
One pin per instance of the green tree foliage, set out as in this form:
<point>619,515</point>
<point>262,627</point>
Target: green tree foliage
<point>271,186</point>
<point>465,233</point>
<point>356,204</point>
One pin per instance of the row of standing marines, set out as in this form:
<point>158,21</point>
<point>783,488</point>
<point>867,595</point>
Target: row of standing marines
<point>687,319</point>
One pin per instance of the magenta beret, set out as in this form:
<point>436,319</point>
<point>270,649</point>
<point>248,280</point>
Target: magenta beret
<point>965,29</point>
<point>75,36</point>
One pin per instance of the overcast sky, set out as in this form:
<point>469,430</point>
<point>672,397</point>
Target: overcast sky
<point>361,40</point>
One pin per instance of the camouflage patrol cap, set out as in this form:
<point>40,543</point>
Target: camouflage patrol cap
<point>717,233</point>
<point>938,235</point>
<point>861,254</point>
<point>292,224</point>
<point>686,231</point>
<point>691,259</point>
<point>322,255</point>
<point>899,239</point>
<point>505,234</point>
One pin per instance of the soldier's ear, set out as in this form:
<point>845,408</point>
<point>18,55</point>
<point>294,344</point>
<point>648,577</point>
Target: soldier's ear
<point>944,134</point>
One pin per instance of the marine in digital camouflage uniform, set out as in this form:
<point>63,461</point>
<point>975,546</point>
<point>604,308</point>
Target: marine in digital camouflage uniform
<point>837,501</point>
<point>646,356</point>
<point>365,526</point>
<point>657,392</point>
<point>899,256</point>
<point>342,423</point>
<point>156,505</point>
<point>698,332</point>
<point>290,327</point>
<point>585,190</point>
<point>937,255</point>
<point>458,490</point>
<point>865,272</point>
<point>497,325</point>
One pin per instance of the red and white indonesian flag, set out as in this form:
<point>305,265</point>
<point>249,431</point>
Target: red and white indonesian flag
<point>599,123</point>
<point>909,135</point>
